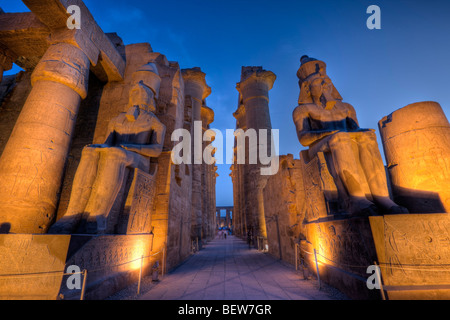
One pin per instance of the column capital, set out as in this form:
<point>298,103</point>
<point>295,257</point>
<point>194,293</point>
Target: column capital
<point>195,83</point>
<point>66,64</point>
<point>255,77</point>
<point>207,115</point>
<point>90,38</point>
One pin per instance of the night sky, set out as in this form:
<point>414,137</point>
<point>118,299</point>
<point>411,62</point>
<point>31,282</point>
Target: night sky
<point>377,71</point>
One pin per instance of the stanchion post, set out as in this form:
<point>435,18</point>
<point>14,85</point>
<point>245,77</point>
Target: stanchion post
<point>296,257</point>
<point>317,268</point>
<point>83,288</point>
<point>140,276</point>
<point>163,267</point>
<point>378,272</point>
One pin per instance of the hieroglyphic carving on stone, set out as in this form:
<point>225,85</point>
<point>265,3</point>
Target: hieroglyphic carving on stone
<point>414,249</point>
<point>41,255</point>
<point>136,217</point>
<point>345,244</point>
<point>316,207</point>
<point>416,141</point>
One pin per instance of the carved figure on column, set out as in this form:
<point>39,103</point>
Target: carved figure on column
<point>132,139</point>
<point>326,124</point>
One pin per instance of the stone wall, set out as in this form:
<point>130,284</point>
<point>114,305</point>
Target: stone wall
<point>284,210</point>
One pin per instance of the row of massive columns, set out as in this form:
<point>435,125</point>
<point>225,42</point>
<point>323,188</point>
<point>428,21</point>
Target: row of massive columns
<point>203,175</point>
<point>248,183</point>
<point>229,216</point>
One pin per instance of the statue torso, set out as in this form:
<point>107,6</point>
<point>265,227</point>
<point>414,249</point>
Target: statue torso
<point>133,132</point>
<point>328,119</point>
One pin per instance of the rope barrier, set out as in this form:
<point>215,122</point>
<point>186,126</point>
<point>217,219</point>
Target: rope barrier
<point>62,273</point>
<point>407,267</point>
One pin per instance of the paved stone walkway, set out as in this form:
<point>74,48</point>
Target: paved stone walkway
<point>226,269</point>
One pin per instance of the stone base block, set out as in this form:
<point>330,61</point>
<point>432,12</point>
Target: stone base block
<point>33,267</point>
<point>414,256</point>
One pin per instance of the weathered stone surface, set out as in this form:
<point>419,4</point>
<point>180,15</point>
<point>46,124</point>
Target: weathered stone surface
<point>32,266</point>
<point>413,255</point>
<point>40,140</point>
<point>416,141</point>
<point>90,38</point>
<point>136,216</point>
<point>284,214</point>
<point>25,36</point>
<point>344,249</point>
<point>15,90</point>
<point>35,267</point>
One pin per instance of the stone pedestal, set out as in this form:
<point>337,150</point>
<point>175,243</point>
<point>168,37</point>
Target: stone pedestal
<point>33,161</point>
<point>416,141</point>
<point>321,193</point>
<point>413,255</point>
<point>136,216</point>
<point>36,267</point>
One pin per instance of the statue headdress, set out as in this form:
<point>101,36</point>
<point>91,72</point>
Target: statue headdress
<point>310,70</point>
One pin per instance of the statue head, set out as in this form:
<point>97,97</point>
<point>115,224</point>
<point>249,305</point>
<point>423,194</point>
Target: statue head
<point>141,98</point>
<point>315,86</point>
<point>145,92</point>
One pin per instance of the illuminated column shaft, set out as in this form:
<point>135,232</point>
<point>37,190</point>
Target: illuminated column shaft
<point>207,116</point>
<point>416,141</point>
<point>239,178</point>
<point>254,88</point>
<point>32,164</point>
<point>195,86</point>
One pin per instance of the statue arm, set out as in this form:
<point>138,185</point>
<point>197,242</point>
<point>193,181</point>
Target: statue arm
<point>110,134</point>
<point>154,149</point>
<point>306,136</point>
<point>109,138</point>
<point>352,120</point>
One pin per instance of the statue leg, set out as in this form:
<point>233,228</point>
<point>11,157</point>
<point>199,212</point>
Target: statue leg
<point>373,166</point>
<point>113,166</point>
<point>345,154</point>
<point>81,191</point>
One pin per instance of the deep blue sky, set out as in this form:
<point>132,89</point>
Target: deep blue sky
<point>377,71</point>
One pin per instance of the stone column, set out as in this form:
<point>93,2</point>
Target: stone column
<point>195,86</point>
<point>254,90</point>
<point>416,141</point>
<point>32,164</point>
<point>207,116</point>
<point>239,177</point>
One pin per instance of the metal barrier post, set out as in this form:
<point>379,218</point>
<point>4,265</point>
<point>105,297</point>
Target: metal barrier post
<point>163,267</point>
<point>317,268</point>
<point>140,276</point>
<point>83,288</point>
<point>296,257</point>
<point>379,280</point>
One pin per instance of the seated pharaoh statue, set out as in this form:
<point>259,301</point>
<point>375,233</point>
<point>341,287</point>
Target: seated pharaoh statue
<point>133,138</point>
<point>326,124</point>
